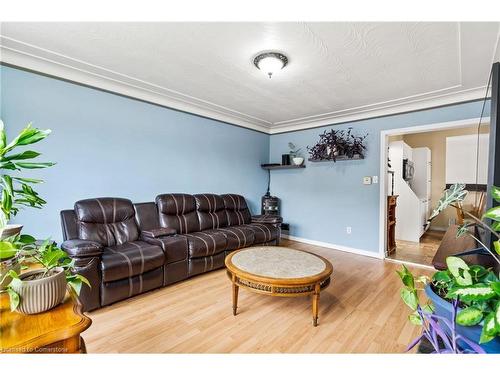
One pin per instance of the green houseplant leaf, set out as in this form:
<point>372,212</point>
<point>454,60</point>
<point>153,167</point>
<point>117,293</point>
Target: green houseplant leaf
<point>406,277</point>
<point>475,293</point>
<point>469,316</point>
<point>76,282</point>
<point>456,193</point>
<point>493,213</point>
<point>460,270</point>
<point>496,287</point>
<point>496,245</point>
<point>3,136</point>
<point>489,330</point>
<point>495,193</point>
<point>22,156</point>
<point>409,297</point>
<point>13,299</point>
<point>34,165</point>
<point>7,250</point>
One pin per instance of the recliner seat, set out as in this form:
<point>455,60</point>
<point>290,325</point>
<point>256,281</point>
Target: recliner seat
<point>107,229</point>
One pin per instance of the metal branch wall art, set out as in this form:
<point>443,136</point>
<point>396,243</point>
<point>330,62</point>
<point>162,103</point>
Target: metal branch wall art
<point>338,144</point>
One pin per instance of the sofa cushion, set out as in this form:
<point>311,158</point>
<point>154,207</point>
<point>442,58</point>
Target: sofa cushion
<point>263,232</point>
<point>109,221</point>
<point>206,243</point>
<point>211,211</point>
<point>238,236</point>
<point>130,259</point>
<point>178,211</point>
<point>236,209</point>
<point>197,266</point>
<point>175,247</point>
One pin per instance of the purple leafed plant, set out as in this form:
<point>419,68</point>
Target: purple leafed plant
<point>444,341</point>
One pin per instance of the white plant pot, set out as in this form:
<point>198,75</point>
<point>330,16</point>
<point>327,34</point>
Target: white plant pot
<point>40,295</point>
<point>10,230</point>
<point>298,161</point>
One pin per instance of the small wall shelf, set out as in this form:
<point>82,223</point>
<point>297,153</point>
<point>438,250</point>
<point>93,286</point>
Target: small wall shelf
<point>273,167</point>
<point>339,158</point>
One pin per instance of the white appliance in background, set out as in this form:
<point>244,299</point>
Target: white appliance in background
<point>422,181</point>
<point>413,209</point>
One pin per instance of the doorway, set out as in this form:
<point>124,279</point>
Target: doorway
<point>417,163</point>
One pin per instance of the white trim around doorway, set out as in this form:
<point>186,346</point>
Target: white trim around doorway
<point>384,135</point>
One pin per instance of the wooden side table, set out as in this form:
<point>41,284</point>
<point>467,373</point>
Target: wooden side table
<point>54,331</point>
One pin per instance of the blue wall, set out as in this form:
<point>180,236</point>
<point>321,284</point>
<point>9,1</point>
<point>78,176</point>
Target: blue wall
<point>321,200</point>
<point>108,145</point>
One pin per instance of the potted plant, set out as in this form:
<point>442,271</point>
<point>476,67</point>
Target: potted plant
<point>476,289</point>
<point>17,191</point>
<point>295,154</point>
<point>439,332</point>
<point>44,287</point>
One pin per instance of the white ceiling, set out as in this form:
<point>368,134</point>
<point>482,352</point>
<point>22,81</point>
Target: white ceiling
<point>337,71</point>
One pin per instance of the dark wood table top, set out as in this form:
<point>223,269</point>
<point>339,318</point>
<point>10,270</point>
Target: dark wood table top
<point>451,245</point>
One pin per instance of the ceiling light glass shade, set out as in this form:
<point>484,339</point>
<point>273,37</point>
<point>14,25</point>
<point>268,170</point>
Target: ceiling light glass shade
<point>270,62</point>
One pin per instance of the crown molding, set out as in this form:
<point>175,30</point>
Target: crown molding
<point>30,57</point>
<point>378,110</point>
<point>27,56</point>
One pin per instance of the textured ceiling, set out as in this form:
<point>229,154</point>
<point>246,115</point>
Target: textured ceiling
<point>336,71</point>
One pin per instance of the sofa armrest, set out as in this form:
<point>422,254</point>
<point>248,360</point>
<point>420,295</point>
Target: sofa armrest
<point>267,219</point>
<point>82,248</point>
<point>158,232</point>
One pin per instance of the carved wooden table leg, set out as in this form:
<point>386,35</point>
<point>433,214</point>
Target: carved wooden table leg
<point>235,296</point>
<point>315,304</point>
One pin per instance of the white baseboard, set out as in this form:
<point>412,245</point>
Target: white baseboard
<point>328,245</point>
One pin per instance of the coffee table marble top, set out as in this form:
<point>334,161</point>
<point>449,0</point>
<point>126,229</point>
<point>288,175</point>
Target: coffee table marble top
<point>278,262</point>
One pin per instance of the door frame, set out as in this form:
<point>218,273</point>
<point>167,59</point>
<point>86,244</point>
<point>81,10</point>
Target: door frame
<point>384,137</point>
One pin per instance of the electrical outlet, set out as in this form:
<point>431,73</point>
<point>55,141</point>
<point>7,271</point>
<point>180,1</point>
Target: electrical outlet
<point>348,230</point>
<point>375,179</point>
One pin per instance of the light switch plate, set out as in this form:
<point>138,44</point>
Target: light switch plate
<point>374,179</point>
<point>367,180</point>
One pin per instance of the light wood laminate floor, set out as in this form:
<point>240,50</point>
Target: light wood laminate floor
<point>360,312</point>
<point>419,252</point>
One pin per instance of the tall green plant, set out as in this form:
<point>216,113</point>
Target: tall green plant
<point>17,191</point>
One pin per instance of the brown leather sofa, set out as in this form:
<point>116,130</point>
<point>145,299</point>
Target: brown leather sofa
<point>125,249</point>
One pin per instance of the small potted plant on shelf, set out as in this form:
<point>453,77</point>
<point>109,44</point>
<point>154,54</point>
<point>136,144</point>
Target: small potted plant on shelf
<point>475,288</point>
<point>295,154</point>
<point>17,191</point>
<point>44,287</point>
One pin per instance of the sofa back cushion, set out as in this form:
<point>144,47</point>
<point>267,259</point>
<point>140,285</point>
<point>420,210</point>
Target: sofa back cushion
<point>178,211</point>
<point>146,215</point>
<point>109,221</point>
<point>211,211</point>
<point>236,209</point>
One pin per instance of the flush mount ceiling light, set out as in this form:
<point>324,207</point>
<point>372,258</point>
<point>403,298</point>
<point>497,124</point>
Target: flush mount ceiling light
<point>270,62</point>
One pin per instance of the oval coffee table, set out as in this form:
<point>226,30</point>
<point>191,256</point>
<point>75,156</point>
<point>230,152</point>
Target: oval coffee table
<point>279,271</point>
